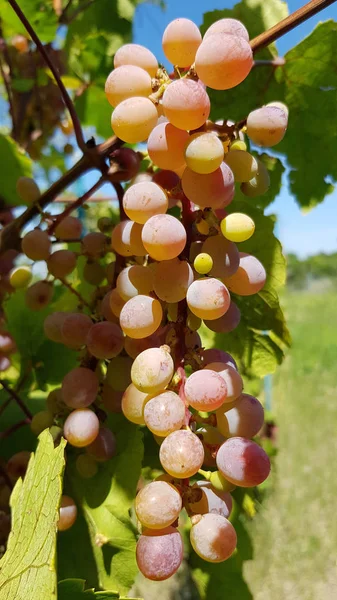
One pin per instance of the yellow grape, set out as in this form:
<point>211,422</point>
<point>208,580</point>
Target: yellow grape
<point>126,239</point>
<point>259,184</point>
<point>223,61</point>
<point>133,119</point>
<point>280,105</point>
<point>238,145</point>
<point>231,26</point>
<point>133,403</point>
<point>186,104</point>
<point>144,200</point>
<point>237,227</point>
<point>203,227</point>
<point>125,82</point>
<point>135,54</point>
<point>140,316</point>
<point>204,153</point>
<point>181,40</point>
<point>243,165</point>
<point>20,277</point>
<point>152,370</point>
<point>266,126</point>
<point>203,263</point>
<point>166,146</point>
<point>134,280</point>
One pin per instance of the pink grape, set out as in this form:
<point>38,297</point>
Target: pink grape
<point>134,280</point>
<point>36,245</point>
<point>228,322</point>
<point>61,263</point>
<point>243,462</point>
<point>80,387</point>
<point>244,418</point>
<point>181,454</point>
<point>116,303</point>
<point>158,505</point>
<point>39,295</point>
<point>213,537</point>
<point>52,326</point>
<point>167,179</point>
<point>144,200</point>
<point>129,162</point>
<point>164,413</point>
<point>249,278</point>
<point>126,239</point>
<point>134,347</point>
<point>140,316</point>
<point>186,104</point>
<point>164,237</point>
<point>74,329</point>
<point>67,513</point>
<point>94,244</point>
<point>205,390</point>
<point>231,26</point>
<point>127,81</point>
<point>135,54</point>
<point>266,126</point>
<point>223,61</point>
<point>152,370</point>
<point>133,119</point>
<point>232,378</point>
<point>208,298</point>
<point>104,340</point>
<point>181,40</point>
<point>214,190</point>
<point>166,146</point>
<point>172,279</point>
<point>69,228</point>
<point>81,427</point>
<point>17,465</point>
<point>212,355</point>
<point>103,448</point>
<point>159,553</point>
<point>133,403</point>
<point>105,309</point>
<point>225,256</point>
<point>211,501</point>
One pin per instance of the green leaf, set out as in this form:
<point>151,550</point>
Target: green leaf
<point>41,16</point>
<point>106,500</point>
<point>15,164</point>
<point>27,569</point>
<point>276,170</point>
<point>74,589</point>
<point>94,109</point>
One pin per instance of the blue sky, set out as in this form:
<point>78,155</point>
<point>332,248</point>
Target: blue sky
<point>304,234</point>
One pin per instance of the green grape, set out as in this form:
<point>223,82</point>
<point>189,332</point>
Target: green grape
<point>259,185</point>
<point>243,165</point>
<point>204,153</point>
<point>203,263</point>
<point>220,483</point>
<point>193,322</point>
<point>27,189</point>
<point>237,227</point>
<point>238,145</point>
<point>42,420</point>
<point>20,277</point>
<point>86,466</point>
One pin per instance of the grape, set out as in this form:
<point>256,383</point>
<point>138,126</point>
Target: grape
<point>39,295</point>
<point>181,454</point>
<point>61,263</point>
<point>243,165</point>
<point>232,378</point>
<point>20,277</point>
<point>94,244</point>
<point>210,435</point>
<point>280,105</point>
<point>104,340</point>
<point>54,401</point>
<point>172,279</point>
<point>144,200</point>
<point>249,278</point>
<point>266,126</point>
<point>111,399</point>
<point>93,273</point>
<point>126,239</point>
<point>208,298</point>
<point>211,501</point>
<point>103,448</point>
<point>245,418</point>
<point>237,227</point>
<point>205,390</point>
<point>5,363</point>
<point>212,536</point>
<point>186,104</point>
<point>223,61</point>
<point>168,180</point>
<point>215,189</point>
<point>166,146</point>
<point>220,483</point>
<point>238,145</point>
<point>193,322</point>
<point>127,81</point>
<point>158,504</point>
<point>229,321</point>
<point>140,316</point>
<point>134,280</point>
<point>214,355</point>
<point>159,553</point>
<point>41,420</point>
<point>67,513</point>
<point>231,26</point>
<point>204,153</point>
<point>105,309</point>
<point>152,370</point>
<point>7,344</point>
<point>80,387</point>
<point>118,374</point>
<point>164,237</point>
<point>203,263</point>
<point>116,303</point>
<point>17,465</point>
<point>36,245</point>
<point>70,228</point>
<point>142,176</point>
<point>259,184</point>
<point>135,54</point>
<point>181,40</point>
<point>133,119</point>
<point>163,414</point>
<point>133,403</point>
<point>134,347</point>
<point>243,462</point>
<point>28,190</point>
<point>129,163</point>
<point>81,427</point>
<point>110,272</point>
<point>74,330</point>
<point>86,466</point>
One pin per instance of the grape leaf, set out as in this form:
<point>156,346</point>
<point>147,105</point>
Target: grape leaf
<point>27,569</point>
<point>105,500</point>
<point>41,16</point>
<point>74,589</point>
<point>15,164</point>
<point>93,105</point>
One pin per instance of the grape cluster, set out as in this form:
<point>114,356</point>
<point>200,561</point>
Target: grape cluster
<point>177,266</point>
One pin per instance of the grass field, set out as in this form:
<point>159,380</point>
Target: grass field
<point>295,534</point>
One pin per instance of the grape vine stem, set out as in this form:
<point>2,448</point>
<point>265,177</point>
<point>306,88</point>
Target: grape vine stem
<point>76,204</point>
<point>17,399</point>
<point>289,23</point>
